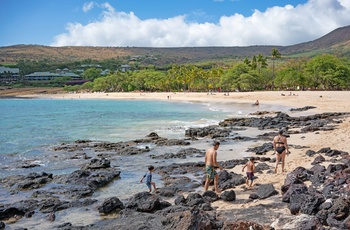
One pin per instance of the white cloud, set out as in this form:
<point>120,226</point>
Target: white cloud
<point>88,6</point>
<point>286,25</point>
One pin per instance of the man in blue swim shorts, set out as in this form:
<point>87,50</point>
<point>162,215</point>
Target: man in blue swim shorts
<point>210,163</point>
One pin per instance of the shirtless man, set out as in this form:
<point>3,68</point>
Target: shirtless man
<point>210,163</point>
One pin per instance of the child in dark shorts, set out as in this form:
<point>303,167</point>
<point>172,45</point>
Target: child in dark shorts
<point>250,171</point>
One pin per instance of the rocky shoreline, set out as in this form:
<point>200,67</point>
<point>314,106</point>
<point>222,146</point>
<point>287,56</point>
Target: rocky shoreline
<point>316,197</point>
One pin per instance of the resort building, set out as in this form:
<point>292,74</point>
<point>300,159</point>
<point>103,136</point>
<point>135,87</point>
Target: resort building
<point>45,76</point>
<point>125,68</point>
<point>9,74</point>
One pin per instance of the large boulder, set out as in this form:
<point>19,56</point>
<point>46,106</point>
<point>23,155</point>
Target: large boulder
<point>266,190</point>
<point>311,204</point>
<point>294,189</point>
<point>210,196</point>
<point>146,202</point>
<point>228,195</point>
<point>110,205</point>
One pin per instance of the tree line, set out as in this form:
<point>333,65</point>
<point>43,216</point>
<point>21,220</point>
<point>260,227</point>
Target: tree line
<point>326,72</point>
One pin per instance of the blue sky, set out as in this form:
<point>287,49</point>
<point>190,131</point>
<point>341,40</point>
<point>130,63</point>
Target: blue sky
<point>169,23</point>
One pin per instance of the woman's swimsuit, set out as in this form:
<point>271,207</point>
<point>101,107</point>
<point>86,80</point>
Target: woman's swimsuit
<point>280,149</point>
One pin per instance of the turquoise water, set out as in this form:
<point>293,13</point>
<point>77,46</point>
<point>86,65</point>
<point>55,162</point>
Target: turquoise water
<point>30,127</point>
<point>30,123</point>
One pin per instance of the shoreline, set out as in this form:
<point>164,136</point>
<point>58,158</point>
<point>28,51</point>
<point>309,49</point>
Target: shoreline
<point>325,101</point>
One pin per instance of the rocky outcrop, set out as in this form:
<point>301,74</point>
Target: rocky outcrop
<point>327,198</point>
<point>284,121</point>
<point>302,109</point>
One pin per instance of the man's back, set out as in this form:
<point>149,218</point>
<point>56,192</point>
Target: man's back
<point>250,166</point>
<point>210,156</point>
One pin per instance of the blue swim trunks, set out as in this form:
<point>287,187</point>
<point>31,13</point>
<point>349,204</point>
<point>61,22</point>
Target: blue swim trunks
<point>209,169</point>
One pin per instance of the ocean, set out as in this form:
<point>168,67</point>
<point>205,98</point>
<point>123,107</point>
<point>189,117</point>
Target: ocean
<point>30,128</point>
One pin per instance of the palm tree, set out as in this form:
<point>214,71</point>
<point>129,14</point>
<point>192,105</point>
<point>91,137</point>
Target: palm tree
<point>247,62</point>
<point>261,62</point>
<point>275,54</point>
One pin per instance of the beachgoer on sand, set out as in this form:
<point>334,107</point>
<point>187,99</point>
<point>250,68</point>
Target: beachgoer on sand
<point>210,163</point>
<point>256,103</point>
<point>280,147</point>
<point>250,171</point>
<point>148,177</point>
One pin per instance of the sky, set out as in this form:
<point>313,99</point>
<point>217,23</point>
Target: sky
<point>169,23</point>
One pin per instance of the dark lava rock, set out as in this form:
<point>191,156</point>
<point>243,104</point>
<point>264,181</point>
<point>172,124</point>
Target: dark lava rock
<point>266,190</point>
<point>303,108</point>
<point>110,205</point>
<point>261,150</point>
<point>146,202</point>
<point>210,196</point>
<point>229,195</point>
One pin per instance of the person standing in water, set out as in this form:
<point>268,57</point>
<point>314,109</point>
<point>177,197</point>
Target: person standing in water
<point>149,181</point>
<point>210,163</point>
<point>280,148</point>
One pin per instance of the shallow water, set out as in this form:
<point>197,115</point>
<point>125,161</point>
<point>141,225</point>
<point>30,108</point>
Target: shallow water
<point>31,127</point>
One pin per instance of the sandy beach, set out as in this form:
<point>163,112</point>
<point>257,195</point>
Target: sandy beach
<point>324,101</point>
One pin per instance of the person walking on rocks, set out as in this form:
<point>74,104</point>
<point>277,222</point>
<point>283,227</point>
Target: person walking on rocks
<point>210,163</point>
<point>250,172</point>
<point>280,148</point>
<point>148,177</point>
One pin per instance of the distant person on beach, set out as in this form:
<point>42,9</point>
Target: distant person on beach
<point>210,163</point>
<point>250,171</point>
<point>280,147</point>
<point>148,177</point>
<point>256,103</point>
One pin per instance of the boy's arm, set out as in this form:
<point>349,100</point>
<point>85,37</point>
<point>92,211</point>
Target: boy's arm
<point>244,167</point>
<point>142,178</point>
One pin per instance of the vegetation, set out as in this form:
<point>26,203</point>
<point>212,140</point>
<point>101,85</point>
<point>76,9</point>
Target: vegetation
<point>325,72</point>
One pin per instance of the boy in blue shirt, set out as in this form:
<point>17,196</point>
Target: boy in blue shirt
<point>148,177</point>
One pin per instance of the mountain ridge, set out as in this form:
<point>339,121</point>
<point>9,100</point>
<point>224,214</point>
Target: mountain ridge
<point>336,42</point>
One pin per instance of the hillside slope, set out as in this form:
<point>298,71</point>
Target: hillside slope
<point>331,41</point>
<point>337,41</point>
